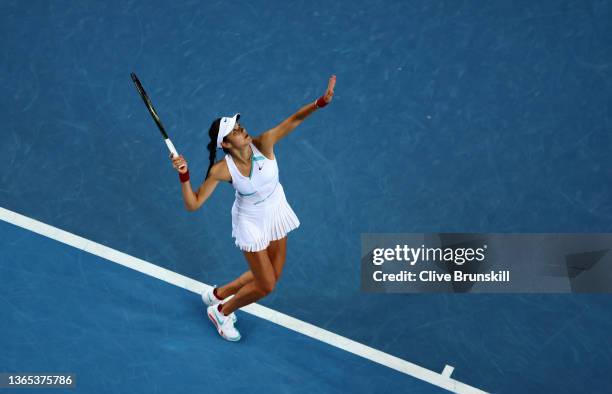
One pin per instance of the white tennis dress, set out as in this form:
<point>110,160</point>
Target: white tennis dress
<point>260,213</point>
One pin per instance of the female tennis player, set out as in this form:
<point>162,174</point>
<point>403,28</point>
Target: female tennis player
<point>261,215</point>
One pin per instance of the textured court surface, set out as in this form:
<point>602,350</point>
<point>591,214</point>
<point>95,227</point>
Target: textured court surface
<point>448,116</point>
<point>119,331</point>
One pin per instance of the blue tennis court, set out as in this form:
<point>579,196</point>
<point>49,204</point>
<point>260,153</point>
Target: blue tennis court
<point>447,116</point>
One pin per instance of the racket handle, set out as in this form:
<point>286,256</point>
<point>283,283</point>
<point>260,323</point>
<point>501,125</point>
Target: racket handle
<point>172,150</point>
<point>171,147</point>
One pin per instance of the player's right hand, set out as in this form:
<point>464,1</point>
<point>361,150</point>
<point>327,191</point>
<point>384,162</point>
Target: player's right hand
<point>179,163</point>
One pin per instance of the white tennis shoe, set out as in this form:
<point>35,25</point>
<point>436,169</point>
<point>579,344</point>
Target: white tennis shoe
<point>224,324</point>
<point>209,299</point>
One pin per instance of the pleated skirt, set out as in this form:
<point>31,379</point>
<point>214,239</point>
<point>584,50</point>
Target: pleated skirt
<point>254,226</point>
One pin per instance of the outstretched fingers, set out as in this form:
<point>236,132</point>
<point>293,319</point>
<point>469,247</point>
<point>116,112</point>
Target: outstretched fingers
<point>331,84</point>
<point>329,93</point>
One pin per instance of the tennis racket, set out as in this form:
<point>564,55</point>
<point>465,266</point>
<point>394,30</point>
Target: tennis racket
<point>153,113</point>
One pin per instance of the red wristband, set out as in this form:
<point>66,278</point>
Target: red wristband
<point>184,177</point>
<point>320,103</point>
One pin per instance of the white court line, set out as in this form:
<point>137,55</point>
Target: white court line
<point>442,380</point>
<point>447,371</point>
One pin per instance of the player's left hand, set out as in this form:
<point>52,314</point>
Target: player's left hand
<point>329,93</point>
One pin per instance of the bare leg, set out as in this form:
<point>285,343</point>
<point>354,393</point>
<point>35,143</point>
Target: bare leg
<point>277,252</point>
<point>264,280</point>
<point>235,285</point>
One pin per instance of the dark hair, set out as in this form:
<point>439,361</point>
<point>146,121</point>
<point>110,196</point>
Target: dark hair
<point>213,132</point>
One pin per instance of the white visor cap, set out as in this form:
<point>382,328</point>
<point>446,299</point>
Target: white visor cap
<point>225,127</point>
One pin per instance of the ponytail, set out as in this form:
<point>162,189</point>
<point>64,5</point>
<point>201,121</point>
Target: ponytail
<point>213,132</point>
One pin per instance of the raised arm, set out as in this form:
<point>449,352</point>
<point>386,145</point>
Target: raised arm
<point>272,136</point>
